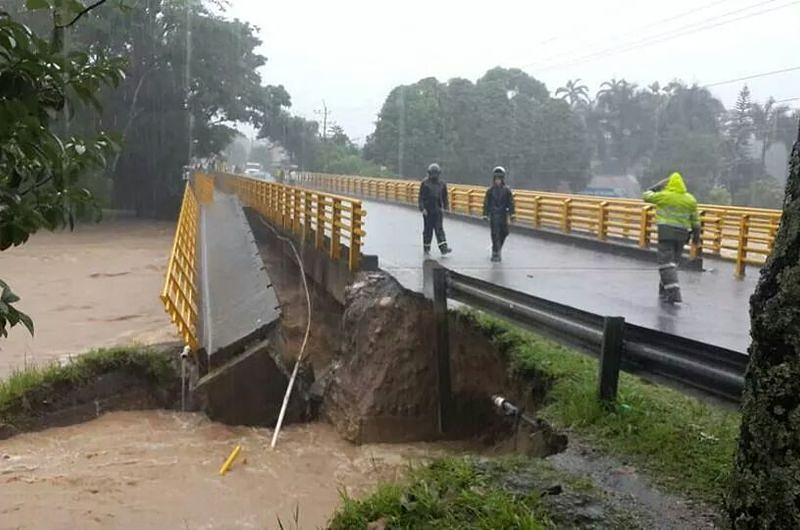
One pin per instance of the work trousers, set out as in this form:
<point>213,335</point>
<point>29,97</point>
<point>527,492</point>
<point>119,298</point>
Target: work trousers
<point>499,227</point>
<point>433,223</point>
<point>671,241</point>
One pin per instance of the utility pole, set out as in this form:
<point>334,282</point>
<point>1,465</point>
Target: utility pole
<point>324,113</point>
<point>401,141</point>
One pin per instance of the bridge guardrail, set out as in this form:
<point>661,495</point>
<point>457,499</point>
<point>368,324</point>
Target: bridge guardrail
<point>331,220</point>
<point>712,369</point>
<point>180,292</point>
<point>743,235</point>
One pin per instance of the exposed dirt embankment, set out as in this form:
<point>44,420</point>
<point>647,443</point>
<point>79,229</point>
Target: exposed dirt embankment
<point>93,384</point>
<point>384,384</point>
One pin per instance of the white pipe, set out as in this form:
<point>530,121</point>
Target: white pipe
<point>305,338</point>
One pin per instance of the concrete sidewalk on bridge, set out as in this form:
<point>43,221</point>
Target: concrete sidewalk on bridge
<point>716,308</point>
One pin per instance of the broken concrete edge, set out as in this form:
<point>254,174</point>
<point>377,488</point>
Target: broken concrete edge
<point>236,296</point>
<point>332,276</point>
<point>115,385</point>
<point>249,388</point>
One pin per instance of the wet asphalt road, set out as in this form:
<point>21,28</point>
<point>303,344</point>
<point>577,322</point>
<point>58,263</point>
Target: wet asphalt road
<point>715,308</point>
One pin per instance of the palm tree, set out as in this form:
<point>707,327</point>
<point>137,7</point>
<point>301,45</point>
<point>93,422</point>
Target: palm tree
<point>766,118</point>
<point>574,93</point>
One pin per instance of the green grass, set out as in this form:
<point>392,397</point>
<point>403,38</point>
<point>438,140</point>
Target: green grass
<point>682,442</point>
<point>23,390</point>
<point>452,493</point>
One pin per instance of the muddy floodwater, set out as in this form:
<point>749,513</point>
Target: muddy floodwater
<point>97,286</point>
<point>159,469</point>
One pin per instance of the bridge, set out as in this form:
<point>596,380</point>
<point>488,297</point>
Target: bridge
<point>593,255</point>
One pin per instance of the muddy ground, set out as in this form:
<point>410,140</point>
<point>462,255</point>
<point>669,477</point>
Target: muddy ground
<point>97,286</point>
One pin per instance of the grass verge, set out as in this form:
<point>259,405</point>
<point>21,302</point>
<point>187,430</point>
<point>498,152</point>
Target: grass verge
<point>466,492</point>
<point>683,443</point>
<point>22,390</point>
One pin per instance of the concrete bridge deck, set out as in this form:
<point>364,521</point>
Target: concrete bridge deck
<point>716,303</point>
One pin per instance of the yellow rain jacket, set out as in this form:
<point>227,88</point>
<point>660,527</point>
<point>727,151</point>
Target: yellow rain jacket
<point>674,205</point>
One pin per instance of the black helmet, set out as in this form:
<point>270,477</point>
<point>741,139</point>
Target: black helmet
<point>499,171</point>
<point>434,170</point>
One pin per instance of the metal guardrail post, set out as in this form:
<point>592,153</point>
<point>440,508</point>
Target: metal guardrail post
<point>336,222</point>
<point>611,352</point>
<point>741,253</point>
<point>442,345</point>
<point>602,221</point>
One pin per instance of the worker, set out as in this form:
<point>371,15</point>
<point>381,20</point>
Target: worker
<point>432,203</point>
<point>498,205</point>
<point>678,220</point>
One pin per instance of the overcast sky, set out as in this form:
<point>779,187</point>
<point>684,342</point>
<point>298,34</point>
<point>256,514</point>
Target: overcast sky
<point>351,53</point>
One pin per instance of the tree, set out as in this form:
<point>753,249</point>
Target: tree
<point>625,119</point>
<point>765,491</point>
<point>505,118</point>
<point>191,76</point>
<point>769,120</point>
<point>741,167</point>
<point>688,138</point>
<point>41,165</point>
<point>574,93</point>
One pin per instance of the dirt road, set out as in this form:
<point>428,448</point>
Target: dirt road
<point>97,286</point>
<point>157,469</point>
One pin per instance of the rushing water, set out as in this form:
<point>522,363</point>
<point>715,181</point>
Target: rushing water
<point>159,469</point>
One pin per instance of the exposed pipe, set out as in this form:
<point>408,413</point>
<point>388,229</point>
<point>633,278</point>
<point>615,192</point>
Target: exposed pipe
<point>184,357</point>
<point>305,337</point>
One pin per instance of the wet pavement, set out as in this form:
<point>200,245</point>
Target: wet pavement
<point>715,308</point>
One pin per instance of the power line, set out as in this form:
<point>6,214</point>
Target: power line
<point>635,30</point>
<point>754,76</point>
<point>672,34</point>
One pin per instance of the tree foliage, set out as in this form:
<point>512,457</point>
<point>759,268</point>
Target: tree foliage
<point>41,163</point>
<point>505,118</point>
<point>192,75</point>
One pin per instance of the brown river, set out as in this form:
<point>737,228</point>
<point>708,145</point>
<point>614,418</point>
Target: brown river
<point>160,470</point>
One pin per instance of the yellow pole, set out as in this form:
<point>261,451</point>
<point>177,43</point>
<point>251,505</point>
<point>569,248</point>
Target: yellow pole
<point>229,462</point>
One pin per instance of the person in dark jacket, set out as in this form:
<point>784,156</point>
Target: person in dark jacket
<point>498,205</point>
<point>432,203</point>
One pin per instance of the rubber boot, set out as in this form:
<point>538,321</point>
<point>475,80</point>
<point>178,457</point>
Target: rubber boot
<point>444,249</point>
<point>673,296</point>
<point>426,249</point>
<point>495,257</point>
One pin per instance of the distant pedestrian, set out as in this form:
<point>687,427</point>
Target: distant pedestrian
<point>432,203</point>
<point>498,206</point>
<point>678,220</point>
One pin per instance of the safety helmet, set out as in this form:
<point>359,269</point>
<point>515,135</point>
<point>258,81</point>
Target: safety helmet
<point>499,171</point>
<point>434,170</point>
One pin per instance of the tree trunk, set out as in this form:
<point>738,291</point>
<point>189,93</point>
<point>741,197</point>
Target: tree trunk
<point>765,486</point>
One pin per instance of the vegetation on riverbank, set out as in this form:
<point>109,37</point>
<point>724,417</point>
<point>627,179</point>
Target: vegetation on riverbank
<point>24,393</point>
<point>683,443</point>
<point>454,493</point>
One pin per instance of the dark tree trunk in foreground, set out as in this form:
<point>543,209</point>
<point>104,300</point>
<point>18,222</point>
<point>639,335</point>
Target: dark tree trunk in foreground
<point>765,486</point>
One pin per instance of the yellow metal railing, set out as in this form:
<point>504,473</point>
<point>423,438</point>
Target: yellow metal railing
<point>744,235</point>
<point>180,286</point>
<point>329,221</point>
